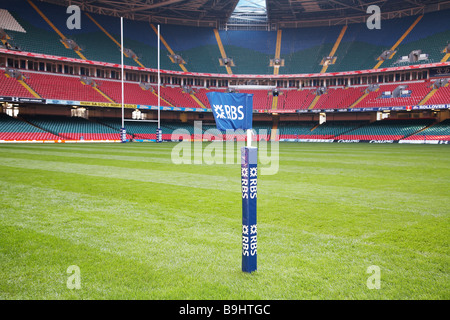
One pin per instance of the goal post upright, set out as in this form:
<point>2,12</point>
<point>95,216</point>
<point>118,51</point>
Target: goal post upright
<point>158,130</point>
<point>123,132</point>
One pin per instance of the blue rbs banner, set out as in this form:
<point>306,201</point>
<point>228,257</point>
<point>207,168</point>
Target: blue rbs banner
<point>249,187</point>
<point>232,111</point>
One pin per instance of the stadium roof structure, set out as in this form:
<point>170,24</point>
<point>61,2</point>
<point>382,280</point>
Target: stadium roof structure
<point>280,13</point>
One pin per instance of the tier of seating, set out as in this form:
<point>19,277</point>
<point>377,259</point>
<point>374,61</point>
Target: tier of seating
<point>364,131</point>
<point>441,96</point>
<point>297,99</point>
<point>10,87</point>
<point>386,130</point>
<point>375,98</point>
<point>55,86</point>
<point>311,130</point>
<point>302,49</point>
<point>430,36</point>
<point>292,130</point>
<point>178,98</point>
<point>360,46</point>
<point>337,98</point>
<point>331,129</point>
<point>439,131</point>
<point>135,130</point>
<point>51,86</point>
<point>201,95</point>
<point>72,128</point>
<point>16,129</point>
<point>133,93</point>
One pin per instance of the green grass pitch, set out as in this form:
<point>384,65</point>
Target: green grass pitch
<point>140,227</point>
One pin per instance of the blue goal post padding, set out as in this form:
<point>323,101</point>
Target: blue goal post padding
<point>249,187</point>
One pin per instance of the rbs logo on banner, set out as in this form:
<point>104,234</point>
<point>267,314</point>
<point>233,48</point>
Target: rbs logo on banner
<point>229,111</point>
<point>232,111</point>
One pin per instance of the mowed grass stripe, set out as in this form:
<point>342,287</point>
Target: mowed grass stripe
<point>343,191</point>
<point>77,217</point>
<point>314,215</point>
<point>335,166</point>
<point>90,148</point>
<point>90,155</point>
<point>320,189</point>
<point>147,175</point>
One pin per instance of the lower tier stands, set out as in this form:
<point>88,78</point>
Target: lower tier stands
<point>15,129</point>
<point>331,129</point>
<point>73,128</point>
<point>135,130</point>
<point>386,130</point>
<point>288,130</point>
<point>439,131</point>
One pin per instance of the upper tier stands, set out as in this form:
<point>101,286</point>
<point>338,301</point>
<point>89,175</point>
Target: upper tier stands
<point>360,46</point>
<point>251,50</point>
<point>301,48</point>
<point>431,35</point>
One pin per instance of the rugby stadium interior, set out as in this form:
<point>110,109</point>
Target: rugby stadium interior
<point>318,70</point>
